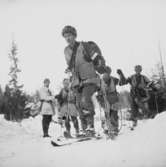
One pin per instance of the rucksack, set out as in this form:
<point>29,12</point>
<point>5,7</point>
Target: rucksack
<point>90,48</point>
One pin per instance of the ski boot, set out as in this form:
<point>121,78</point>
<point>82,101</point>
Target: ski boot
<point>134,124</point>
<point>90,132</point>
<point>111,135</point>
<point>78,134</point>
<point>67,135</point>
<point>46,135</point>
<point>81,134</point>
<point>105,131</point>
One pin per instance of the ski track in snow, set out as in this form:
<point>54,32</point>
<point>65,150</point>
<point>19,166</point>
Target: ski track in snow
<point>22,145</point>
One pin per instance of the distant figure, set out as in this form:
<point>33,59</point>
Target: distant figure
<point>139,93</point>
<point>84,60</point>
<point>68,111</point>
<point>46,108</point>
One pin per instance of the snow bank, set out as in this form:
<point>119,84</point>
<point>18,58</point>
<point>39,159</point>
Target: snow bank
<point>143,147</point>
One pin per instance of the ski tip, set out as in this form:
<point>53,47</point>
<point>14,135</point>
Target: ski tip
<point>55,144</point>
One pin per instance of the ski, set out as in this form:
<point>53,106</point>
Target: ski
<point>57,143</point>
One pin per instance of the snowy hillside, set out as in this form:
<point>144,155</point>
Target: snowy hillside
<point>21,145</point>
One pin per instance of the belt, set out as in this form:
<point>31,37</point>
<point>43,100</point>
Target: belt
<point>47,101</point>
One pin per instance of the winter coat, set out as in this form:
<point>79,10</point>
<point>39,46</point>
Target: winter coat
<point>68,109</point>
<point>67,102</point>
<point>138,81</point>
<point>84,69</point>
<point>110,90</point>
<point>46,99</point>
<point>138,86</point>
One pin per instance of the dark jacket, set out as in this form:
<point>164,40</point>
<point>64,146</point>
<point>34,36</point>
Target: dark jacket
<point>83,60</point>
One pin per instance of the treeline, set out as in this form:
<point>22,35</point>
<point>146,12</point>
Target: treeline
<point>13,104</point>
<point>13,99</point>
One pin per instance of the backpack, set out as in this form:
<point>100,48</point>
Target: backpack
<point>90,48</point>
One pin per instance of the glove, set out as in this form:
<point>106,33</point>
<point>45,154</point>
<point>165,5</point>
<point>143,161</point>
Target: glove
<point>99,61</point>
<point>119,71</point>
<point>67,70</point>
<point>106,78</point>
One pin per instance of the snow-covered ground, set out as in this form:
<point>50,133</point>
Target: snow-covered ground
<point>22,145</point>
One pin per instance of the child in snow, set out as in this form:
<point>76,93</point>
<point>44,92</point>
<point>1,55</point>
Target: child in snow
<point>68,110</point>
<point>108,99</point>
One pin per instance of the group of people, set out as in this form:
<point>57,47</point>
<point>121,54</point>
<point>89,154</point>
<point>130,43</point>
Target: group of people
<point>90,75</point>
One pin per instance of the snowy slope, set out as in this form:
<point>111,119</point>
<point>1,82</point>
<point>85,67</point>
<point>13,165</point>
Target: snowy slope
<point>22,145</point>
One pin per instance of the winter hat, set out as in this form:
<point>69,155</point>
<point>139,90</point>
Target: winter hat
<point>69,29</point>
<point>106,77</point>
<point>108,69</point>
<point>138,67</point>
<point>46,80</point>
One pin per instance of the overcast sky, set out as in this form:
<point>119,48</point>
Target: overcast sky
<point>128,33</point>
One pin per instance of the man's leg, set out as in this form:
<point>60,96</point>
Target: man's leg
<point>67,134</point>
<point>45,124</point>
<point>90,121</point>
<point>114,121</point>
<point>146,109</point>
<point>134,112</point>
<point>81,115</point>
<point>87,104</point>
<point>84,123</point>
<point>49,119</point>
<point>75,123</point>
<point>45,131</point>
<point>143,105</point>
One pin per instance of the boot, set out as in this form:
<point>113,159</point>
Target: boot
<point>67,134</point>
<point>45,131</point>
<point>77,133</point>
<point>90,132</point>
<point>111,135</point>
<point>134,124</point>
<point>46,135</point>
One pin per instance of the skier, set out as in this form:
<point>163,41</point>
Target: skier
<point>83,60</point>
<point>46,107</point>
<point>108,99</point>
<point>139,93</point>
<point>67,110</point>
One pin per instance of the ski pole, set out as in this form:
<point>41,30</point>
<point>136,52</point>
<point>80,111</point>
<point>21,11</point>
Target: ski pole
<point>155,96</point>
<point>121,119</point>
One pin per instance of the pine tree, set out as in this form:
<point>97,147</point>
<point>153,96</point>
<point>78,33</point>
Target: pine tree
<point>15,98</point>
<point>1,100</point>
<point>14,69</point>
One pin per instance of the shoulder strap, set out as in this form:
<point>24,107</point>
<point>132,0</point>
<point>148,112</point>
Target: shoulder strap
<point>49,92</point>
<point>113,81</point>
<point>72,61</point>
<point>86,51</point>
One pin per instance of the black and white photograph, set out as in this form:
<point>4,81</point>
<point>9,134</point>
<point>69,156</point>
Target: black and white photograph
<point>82,83</point>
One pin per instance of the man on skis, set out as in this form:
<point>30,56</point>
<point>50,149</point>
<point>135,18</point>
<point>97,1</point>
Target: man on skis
<point>83,60</point>
<point>67,110</point>
<point>108,99</point>
<point>139,93</point>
